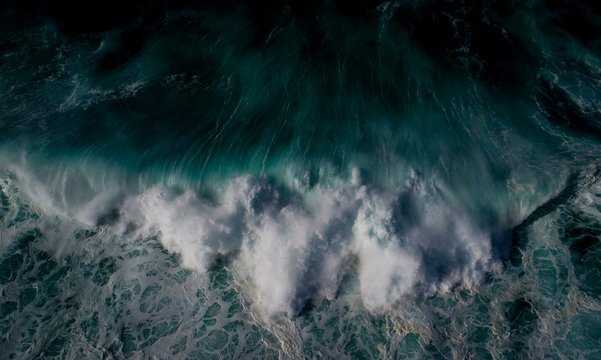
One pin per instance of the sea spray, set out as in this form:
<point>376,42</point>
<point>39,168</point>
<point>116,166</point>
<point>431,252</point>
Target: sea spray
<point>290,180</point>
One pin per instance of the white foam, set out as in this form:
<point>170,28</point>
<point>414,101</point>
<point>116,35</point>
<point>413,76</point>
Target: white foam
<point>295,248</point>
<point>296,251</point>
<point>186,224</point>
<point>387,272</point>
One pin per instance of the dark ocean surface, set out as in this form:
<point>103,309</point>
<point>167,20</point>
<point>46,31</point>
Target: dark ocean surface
<point>299,180</point>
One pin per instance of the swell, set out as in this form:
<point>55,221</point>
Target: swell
<point>229,104</point>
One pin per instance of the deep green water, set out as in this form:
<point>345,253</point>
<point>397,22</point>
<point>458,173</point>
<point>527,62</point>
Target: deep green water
<point>405,179</point>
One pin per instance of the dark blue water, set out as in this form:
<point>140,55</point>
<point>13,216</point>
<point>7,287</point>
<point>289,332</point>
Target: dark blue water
<point>404,179</point>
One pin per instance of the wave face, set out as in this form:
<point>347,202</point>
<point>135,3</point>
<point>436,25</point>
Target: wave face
<point>403,179</point>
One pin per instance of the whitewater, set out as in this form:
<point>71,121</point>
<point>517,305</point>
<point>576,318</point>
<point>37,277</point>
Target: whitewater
<point>280,180</point>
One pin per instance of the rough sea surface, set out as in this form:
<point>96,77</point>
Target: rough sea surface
<point>409,179</point>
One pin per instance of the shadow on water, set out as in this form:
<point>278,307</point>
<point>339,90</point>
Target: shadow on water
<point>507,244</point>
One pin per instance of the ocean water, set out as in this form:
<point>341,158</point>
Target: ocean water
<point>410,179</point>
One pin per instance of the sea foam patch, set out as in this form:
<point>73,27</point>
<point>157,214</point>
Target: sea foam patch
<point>296,251</point>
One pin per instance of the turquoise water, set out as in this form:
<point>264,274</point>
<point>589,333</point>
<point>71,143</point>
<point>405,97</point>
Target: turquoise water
<point>409,179</point>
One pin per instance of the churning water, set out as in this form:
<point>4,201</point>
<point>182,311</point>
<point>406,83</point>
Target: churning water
<point>369,180</point>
